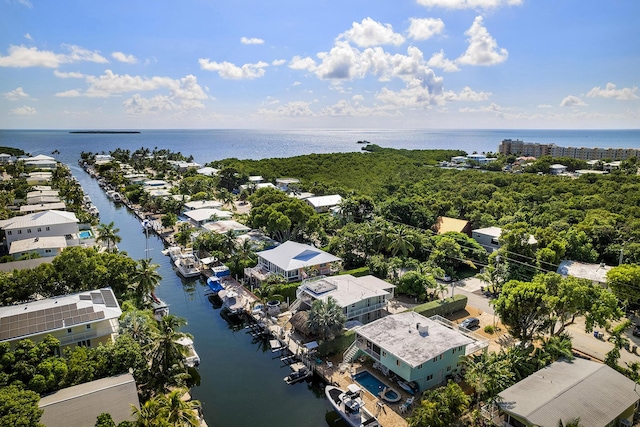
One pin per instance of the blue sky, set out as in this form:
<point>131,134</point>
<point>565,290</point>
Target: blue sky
<point>289,64</point>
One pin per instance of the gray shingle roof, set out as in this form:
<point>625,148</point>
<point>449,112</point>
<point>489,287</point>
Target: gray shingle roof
<point>566,390</point>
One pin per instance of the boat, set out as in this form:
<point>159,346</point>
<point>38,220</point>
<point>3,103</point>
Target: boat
<point>187,266</point>
<point>93,210</point>
<point>174,252</point>
<point>191,358</point>
<point>410,387</point>
<point>159,307</point>
<point>116,197</point>
<point>350,406</point>
<point>300,373</point>
<point>214,285</point>
<point>232,301</point>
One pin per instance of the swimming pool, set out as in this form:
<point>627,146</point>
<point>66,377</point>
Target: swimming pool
<point>85,234</point>
<point>369,381</point>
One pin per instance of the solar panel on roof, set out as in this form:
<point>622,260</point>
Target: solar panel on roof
<point>109,299</point>
<point>96,298</point>
<point>85,297</point>
<point>100,315</point>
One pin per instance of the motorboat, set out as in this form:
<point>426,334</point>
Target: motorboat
<point>116,197</point>
<point>350,406</point>
<point>191,358</point>
<point>214,285</point>
<point>159,307</point>
<point>187,266</point>
<point>174,252</point>
<point>410,387</point>
<point>299,373</point>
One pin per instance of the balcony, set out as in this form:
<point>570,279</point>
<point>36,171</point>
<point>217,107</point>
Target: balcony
<point>365,310</point>
<point>85,335</point>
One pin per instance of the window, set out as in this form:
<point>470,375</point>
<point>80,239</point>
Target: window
<point>88,326</point>
<point>440,357</point>
<point>397,362</point>
<point>384,354</point>
<point>19,231</point>
<point>8,233</point>
<point>39,229</point>
<point>453,351</point>
<point>435,359</point>
<point>47,251</point>
<point>448,368</point>
<point>69,330</point>
<point>429,377</point>
<point>84,343</point>
<point>419,366</point>
<point>28,230</point>
<point>47,228</point>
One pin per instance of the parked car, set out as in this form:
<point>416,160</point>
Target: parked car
<point>445,278</point>
<point>636,331</point>
<point>470,323</point>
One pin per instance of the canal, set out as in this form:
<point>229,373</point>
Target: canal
<point>242,380</point>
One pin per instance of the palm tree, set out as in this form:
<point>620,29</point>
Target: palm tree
<point>553,348</point>
<point>146,279</point>
<point>149,414</point>
<point>108,233</point>
<point>326,319</point>
<point>166,355</point>
<point>137,324</point>
<point>487,374</point>
<point>619,341</point>
<point>178,412</point>
<point>400,241</point>
<point>184,233</point>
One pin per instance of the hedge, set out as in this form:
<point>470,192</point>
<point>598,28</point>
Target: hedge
<point>337,345</point>
<point>442,307</point>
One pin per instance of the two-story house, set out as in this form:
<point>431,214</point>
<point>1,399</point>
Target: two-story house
<point>41,224</point>
<point>362,298</point>
<point>415,348</point>
<point>85,319</point>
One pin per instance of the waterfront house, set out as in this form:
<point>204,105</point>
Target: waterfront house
<point>415,348</point>
<point>596,273</point>
<point>42,196</point>
<point>38,178</point>
<point>43,246</point>
<point>445,224</point>
<point>56,206</point>
<point>227,226</point>
<point>41,224</point>
<point>361,298</point>
<point>324,203</point>
<point>80,405</point>
<point>202,204</point>
<point>85,319</point>
<point>199,217</point>
<point>567,390</point>
<point>489,238</point>
<point>40,162</point>
<point>290,260</point>
<point>208,171</point>
<point>6,158</point>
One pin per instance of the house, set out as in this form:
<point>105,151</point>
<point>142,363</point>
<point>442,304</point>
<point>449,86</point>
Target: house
<point>362,298</point>
<point>208,171</point>
<point>199,217</point>
<point>557,169</point>
<point>324,203</point>
<point>289,260</point>
<point>136,178</point>
<point>284,183</point>
<point>445,224</point>
<point>202,204</point>
<point>103,158</point>
<point>596,273</point>
<point>183,166</point>
<point>156,184</point>
<point>80,405</point>
<point>86,319</point>
<point>414,347</point>
<point>6,158</point>
<point>38,178</point>
<point>42,196</point>
<point>41,224</point>
<point>40,162</point>
<point>56,206</point>
<point>565,390</point>
<point>43,246</point>
<point>489,238</point>
<point>227,226</point>
<point>256,179</point>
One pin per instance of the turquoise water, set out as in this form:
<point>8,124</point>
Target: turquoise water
<point>367,380</point>
<point>85,234</point>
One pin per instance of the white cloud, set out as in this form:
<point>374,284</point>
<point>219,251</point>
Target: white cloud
<point>22,57</point>
<point>469,4</point>
<point>28,37</point>
<point>298,63</point>
<point>25,110</point>
<point>139,105</point>
<point>610,91</point>
<point>483,49</point>
<point>16,94</point>
<point>425,28</point>
<point>278,62</point>
<point>372,33</point>
<point>296,84</point>
<point>572,101</point>
<point>466,94</point>
<point>291,109</point>
<point>26,3</point>
<point>491,108</point>
<point>128,59</point>
<point>545,106</point>
<point>73,93</point>
<point>253,40</point>
<point>438,60</point>
<point>68,75</point>
<point>227,70</point>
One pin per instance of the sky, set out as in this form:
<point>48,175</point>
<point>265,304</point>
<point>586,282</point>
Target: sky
<point>319,64</point>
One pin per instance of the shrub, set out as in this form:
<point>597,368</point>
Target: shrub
<point>489,329</point>
<point>442,307</point>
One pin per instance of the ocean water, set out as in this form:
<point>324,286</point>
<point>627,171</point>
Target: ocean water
<point>209,145</point>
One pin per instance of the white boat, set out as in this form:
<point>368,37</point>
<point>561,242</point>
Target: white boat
<point>116,197</point>
<point>187,266</point>
<point>93,210</point>
<point>191,358</point>
<point>159,307</point>
<point>350,406</point>
<point>174,252</point>
<point>300,373</point>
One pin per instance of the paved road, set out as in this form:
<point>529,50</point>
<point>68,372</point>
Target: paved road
<point>582,341</point>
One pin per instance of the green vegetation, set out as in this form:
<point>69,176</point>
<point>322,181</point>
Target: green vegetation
<point>442,307</point>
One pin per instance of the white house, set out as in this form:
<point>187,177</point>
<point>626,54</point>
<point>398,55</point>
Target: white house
<point>596,273</point>
<point>363,299</point>
<point>41,162</point>
<point>489,238</point>
<point>199,217</point>
<point>43,246</point>
<point>557,169</point>
<point>227,226</point>
<point>284,183</point>
<point>202,204</point>
<point>290,260</point>
<point>83,319</point>
<point>208,171</point>
<point>324,203</point>
<point>6,158</point>
<point>41,224</point>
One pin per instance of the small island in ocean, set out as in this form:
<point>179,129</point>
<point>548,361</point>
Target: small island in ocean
<point>104,131</point>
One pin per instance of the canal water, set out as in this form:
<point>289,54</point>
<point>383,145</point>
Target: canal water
<point>242,380</point>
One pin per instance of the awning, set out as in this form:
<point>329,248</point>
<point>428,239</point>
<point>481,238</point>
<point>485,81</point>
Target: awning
<point>311,345</point>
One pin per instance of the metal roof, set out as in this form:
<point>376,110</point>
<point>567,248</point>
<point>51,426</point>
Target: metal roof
<point>200,215</point>
<point>50,242</point>
<point>322,201</point>
<point>347,289</point>
<point>292,256</point>
<point>39,219</point>
<point>566,390</point>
